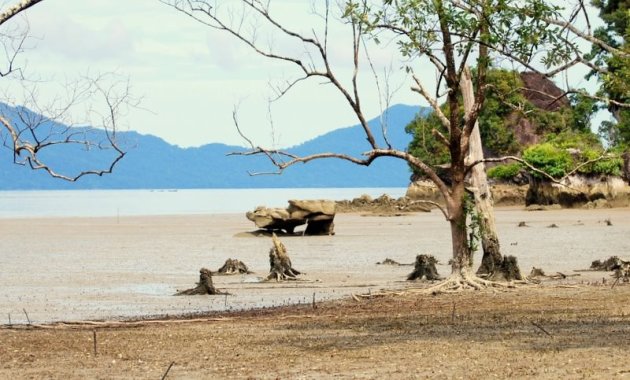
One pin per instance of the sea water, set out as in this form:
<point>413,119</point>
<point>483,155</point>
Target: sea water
<point>107,203</point>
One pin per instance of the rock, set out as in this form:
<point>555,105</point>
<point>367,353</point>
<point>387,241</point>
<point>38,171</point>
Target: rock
<point>580,191</point>
<point>318,215</point>
<point>383,205</point>
<point>274,219</point>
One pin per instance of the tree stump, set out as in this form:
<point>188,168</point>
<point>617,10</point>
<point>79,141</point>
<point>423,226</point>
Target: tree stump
<point>281,267</point>
<point>233,266</point>
<point>204,286</point>
<point>424,267</point>
<point>505,270</point>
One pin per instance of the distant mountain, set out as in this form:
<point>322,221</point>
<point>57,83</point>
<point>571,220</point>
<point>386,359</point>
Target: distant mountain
<point>152,163</point>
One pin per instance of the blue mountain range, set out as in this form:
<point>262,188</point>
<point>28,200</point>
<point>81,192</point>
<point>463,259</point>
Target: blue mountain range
<point>152,163</point>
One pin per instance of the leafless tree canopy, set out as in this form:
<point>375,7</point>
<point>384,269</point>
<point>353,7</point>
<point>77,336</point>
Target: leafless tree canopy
<point>82,119</point>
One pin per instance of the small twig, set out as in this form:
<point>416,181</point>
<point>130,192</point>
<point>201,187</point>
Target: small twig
<point>314,306</point>
<point>94,340</point>
<point>542,329</point>
<point>168,369</point>
<point>453,313</point>
<point>27,318</point>
<point>10,320</point>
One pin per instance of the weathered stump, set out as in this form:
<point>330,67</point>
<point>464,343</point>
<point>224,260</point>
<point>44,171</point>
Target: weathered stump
<point>506,269</point>
<point>424,268</point>
<point>280,263</point>
<point>204,286</point>
<point>233,266</point>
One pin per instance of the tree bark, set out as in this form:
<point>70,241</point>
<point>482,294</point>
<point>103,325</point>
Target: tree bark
<point>492,261</point>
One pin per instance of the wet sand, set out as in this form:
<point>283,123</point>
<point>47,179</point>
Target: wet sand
<point>61,269</point>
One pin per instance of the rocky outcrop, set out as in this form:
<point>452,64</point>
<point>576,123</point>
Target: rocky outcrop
<point>384,205</point>
<point>318,215</point>
<point>502,194</point>
<point>580,191</point>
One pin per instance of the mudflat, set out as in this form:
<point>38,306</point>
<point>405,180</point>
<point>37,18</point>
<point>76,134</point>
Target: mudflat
<point>112,269</point>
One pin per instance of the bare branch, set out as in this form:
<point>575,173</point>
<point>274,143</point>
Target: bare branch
<point>432,102</point>
<point>439,206</point>
<point>23,5</point>
<point>30,134</point>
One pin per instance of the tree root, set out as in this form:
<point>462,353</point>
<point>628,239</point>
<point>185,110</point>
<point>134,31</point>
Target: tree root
<point>452,284</point>
<point>460,282</point>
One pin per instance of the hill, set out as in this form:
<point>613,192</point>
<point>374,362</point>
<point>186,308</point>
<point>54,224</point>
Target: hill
<point>152,163</point>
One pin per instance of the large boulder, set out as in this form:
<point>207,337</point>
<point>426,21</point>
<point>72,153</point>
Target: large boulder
<point>318,215</point>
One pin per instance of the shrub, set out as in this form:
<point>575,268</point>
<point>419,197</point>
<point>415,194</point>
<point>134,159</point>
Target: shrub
<point>504,172</point>
<point>550,159</point>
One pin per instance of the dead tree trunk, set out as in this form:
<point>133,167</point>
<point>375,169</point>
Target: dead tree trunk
<point>492,266</point>
<point>281,268</point>
<point>204,286</point>
<point>424,267</point>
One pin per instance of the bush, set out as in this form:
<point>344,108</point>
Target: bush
<point>550,159</point>
<point>504,172</point>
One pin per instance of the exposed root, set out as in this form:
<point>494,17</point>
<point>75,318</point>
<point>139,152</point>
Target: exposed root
<point>460,282</point>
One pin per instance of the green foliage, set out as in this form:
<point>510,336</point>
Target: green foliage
<point>504,107</point>
<point>504,172</point>
<point>550,159</point>
<point>615,80</point>
<point>494,120</point>
<point>424,145</point>
<point>474,225</point>
<point>563,152</point>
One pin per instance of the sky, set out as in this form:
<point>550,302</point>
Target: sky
<point>190,77</point>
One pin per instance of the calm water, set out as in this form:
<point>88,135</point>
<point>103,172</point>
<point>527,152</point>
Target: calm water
<point>93,203</point>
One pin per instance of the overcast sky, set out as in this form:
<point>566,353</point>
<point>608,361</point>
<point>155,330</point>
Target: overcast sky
<point>190,77</point>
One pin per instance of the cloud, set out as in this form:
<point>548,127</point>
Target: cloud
<point>84,41</point>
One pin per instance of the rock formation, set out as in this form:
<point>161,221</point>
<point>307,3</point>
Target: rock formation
<point>590,192</point>
<point>318,215</point>
<point>383,204</point>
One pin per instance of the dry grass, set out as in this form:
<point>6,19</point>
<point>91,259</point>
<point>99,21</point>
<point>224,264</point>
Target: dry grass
<point>541,331</point>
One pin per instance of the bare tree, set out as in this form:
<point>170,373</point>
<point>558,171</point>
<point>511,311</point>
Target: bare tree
<point>451,35</point>
<point>33,128</point>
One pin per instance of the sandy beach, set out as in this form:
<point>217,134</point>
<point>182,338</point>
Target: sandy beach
<point>68,269</point>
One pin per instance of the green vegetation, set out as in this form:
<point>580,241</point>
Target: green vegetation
<point>565,129</point>
<point>504,172</point>
<point>560,154</point>
<point>549,158</point>
<point>615,80</point>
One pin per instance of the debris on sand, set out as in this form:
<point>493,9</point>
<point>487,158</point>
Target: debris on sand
<point>233,266</point>
<point>613,263</point>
